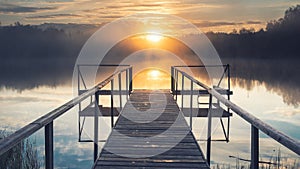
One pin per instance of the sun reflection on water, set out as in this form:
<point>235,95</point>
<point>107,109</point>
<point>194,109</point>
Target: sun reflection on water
<point>152,78</point>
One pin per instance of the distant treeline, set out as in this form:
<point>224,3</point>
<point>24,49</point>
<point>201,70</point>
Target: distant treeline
<point>45,54</point>
<point>280,39</point>
<point>31,56</point>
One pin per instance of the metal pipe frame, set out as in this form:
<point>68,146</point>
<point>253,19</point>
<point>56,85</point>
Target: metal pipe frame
<point>254,147</point>
<point>198,66</point>
<point>49,162</point>
<point>46,122</point>
<point>191,106</point>
<point>130,80</point>
<point>256,124</point>
<point>182,88</point>
<point>112,103</point>
<point>96,119</point>
<point>176,85</point>
<point>172,80</point>
<point>120,90</point>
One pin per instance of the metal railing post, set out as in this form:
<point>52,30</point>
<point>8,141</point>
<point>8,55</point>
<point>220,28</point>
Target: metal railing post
<point>130,79</point>
<point>112,103</point>
<point>228,76</point>
<point>127,90</point>
<point>96,126</point>
<point>191,106</point>
<point>79,104</point>
<point>49,145</point>
<point>176,86</point>
<point>120,90</point>
<point>78,79</point>
<point>182,88</point>
<point>172,79</point>
<point>208,145</point>
<point>254,147</point>
<point>228,84</point>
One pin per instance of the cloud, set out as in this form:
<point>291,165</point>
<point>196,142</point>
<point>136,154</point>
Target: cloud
<point>211,24</point>
<point>132,5</point>
<point>284,112</point>
<point>111,16</point>
<point>204,24</point>
<point>18,99</point>
<point>254,22</point>
<point>12,8</point>
<point>52,16</point>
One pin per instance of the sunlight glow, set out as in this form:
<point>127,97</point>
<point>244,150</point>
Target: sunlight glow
<point>152,78</point>
<point>153,37</point>
<point>154,74</point>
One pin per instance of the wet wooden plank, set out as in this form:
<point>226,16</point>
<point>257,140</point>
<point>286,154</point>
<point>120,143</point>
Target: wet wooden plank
<point>89,111</point>
<point>203,112</point>
<point>151,132</point>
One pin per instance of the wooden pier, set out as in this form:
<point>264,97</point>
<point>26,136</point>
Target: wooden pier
<point>156,135</point>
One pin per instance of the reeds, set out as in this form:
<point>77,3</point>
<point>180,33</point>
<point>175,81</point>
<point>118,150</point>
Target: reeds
<point>23,156</point>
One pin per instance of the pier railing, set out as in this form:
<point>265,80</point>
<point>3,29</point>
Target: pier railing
<point>256,124</point>
<point>47,120</point>
<point>88,110</point>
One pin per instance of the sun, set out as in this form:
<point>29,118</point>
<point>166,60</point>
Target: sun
<point>153,37</point>
<point>154,73</point>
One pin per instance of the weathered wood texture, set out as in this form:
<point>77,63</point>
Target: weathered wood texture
<point>151,133</point>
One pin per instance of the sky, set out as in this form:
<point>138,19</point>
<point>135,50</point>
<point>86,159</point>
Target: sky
<point>208,15</point>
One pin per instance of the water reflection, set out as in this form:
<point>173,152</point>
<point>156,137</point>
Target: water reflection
<point>70,153</point>
<point>152,78</point>
<point>278,76</point>
<point>269,89</point>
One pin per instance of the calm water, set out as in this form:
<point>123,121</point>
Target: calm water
<point>20,108</point>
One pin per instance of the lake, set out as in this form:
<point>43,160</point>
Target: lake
<point>20,108</point>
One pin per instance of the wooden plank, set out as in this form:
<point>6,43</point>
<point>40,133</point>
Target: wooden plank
<point>89,111</point>
<point>203,92</point>
<point>137,139</point>
<point>203,112</point>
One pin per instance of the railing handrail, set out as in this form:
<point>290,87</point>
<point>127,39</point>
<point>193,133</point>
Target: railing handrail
<point>290,143</point>
<point>105,65</point>
<point>9,142</point>
<point>203,66</point>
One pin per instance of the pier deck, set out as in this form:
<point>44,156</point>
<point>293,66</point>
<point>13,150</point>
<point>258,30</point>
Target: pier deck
<point>151,132</point>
